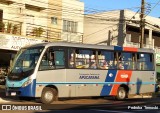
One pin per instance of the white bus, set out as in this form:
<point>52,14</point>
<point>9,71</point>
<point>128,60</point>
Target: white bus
<point>58,69</point>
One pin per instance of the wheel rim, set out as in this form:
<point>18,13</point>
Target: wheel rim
<point>48,96</point>
<point>122,94</point>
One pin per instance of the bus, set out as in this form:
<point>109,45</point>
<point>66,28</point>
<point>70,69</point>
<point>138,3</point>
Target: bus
<point>59,69</point>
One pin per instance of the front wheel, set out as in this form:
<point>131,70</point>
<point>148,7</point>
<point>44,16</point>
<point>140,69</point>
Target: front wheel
<point>48,95</point>
<point>121,93</point>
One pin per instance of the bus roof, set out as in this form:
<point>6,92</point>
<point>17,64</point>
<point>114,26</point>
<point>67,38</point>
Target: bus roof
<point>92,46</point>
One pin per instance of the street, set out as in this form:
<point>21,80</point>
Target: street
<point>85,105</point>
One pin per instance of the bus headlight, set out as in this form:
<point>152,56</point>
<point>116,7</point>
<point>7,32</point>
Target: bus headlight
<point>27,83</point>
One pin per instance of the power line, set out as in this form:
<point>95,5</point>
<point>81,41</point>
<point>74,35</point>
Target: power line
<point>153,8</point>
<point>114,24</point>
<point>58,6</point>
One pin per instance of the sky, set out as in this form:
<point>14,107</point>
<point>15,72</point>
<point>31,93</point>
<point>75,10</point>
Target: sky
<point>134,5</point>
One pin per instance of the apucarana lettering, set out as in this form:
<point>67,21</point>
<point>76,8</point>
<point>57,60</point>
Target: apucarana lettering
<point>89,77</point>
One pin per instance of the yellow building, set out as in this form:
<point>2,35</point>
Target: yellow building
<point>26,22</point>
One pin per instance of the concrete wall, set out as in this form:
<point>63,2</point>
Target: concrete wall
<point>55,10</point>
<point>97,27</point>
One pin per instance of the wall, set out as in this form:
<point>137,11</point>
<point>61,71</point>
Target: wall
<point>97,26</point>
<point>73,10</point>
<point>55,10</point>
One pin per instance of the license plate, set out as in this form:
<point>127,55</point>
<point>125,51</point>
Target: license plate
<point>13,93</point>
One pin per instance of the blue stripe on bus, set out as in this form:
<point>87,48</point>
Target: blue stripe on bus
<point>49,83</point>
<point>118,48</point>
<point>29,90</point>
<point>109,80</point>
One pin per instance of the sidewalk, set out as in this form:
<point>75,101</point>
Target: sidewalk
<point>2,94</point>
<point>4,101</point>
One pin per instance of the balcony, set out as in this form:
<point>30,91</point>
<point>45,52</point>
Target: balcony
<point>72,37</point>
<point>7,2</point>
<point>10,27</point>
<point>36,5</point>
<point>49,34</point>
<point>42,32</point>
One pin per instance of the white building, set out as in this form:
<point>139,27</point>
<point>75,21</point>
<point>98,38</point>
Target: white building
<point>120,27</point>
<point>73,19</point>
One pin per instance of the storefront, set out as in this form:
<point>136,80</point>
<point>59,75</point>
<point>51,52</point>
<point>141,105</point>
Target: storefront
<point>9,45</point>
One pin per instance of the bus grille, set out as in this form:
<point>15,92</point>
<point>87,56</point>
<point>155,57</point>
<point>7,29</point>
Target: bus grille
<point>13,88</point>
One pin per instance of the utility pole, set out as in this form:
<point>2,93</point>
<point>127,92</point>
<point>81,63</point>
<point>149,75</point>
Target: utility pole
<point>142,23</point>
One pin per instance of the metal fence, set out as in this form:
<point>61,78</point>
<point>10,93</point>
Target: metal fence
<point>10,27</point>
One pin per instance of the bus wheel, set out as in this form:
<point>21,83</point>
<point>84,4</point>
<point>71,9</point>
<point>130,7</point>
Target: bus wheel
<point>48,95</point>
<point>121,93</point>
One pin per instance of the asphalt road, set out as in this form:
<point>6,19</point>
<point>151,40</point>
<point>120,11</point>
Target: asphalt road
<point>85,105</point>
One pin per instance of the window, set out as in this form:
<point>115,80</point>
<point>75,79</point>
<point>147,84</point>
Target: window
<point>69,26</point>
<point>54,20</point>
<point>145,61</point>
<point>126,61</point>
<point>85,59</point>
<point>106,60</point>
<point>52,59</point>
<point>71,58</point>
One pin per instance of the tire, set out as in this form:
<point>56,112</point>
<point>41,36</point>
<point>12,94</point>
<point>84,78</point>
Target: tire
<point>48,95</point>
<point>121,93</point>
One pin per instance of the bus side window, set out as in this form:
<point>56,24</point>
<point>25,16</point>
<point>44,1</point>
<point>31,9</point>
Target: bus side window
<point>139,63</point>
<point>59,59</point>
<point>52,60</point>
<point>145,61</point>
<point>133,63</point>
<point>44,65</point>
<point>71,57</point>
<point>82,58</point>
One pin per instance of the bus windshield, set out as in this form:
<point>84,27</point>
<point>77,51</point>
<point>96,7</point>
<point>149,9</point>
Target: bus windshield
<point>25,62</point>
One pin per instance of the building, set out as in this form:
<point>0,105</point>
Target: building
<point>18,22</point>
<point>25,22</point>
<point>73,20</point>
<point>54,19</point>
<point>121,27</point>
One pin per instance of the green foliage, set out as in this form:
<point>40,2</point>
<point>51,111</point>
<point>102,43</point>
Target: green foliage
<point>37,31</point>
<point>9,26</point>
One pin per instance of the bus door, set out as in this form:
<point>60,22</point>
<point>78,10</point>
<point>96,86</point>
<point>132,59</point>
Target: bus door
<point>52,68</point>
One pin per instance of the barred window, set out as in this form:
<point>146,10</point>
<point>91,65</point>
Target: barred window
<point>70,26</point>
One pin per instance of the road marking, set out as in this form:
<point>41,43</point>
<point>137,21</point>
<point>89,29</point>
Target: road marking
<point>110,111</point>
